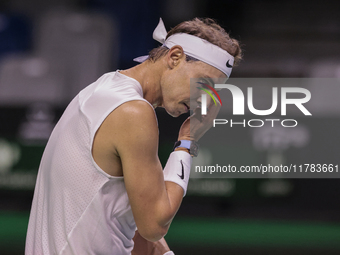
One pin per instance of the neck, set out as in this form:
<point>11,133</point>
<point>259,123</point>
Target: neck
<point>148,74</point>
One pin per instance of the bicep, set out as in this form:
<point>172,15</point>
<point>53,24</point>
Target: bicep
<point>138,148</point>
<point>139,156</point>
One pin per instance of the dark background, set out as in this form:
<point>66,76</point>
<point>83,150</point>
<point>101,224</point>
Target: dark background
<point>49,50</point>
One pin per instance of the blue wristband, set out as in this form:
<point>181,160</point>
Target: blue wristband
<point>183,144</point>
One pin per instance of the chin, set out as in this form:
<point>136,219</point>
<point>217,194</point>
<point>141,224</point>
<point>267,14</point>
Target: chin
<point>173,113</point>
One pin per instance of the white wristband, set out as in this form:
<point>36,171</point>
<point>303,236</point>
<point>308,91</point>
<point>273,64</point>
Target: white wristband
<point>169,253</point>
<point>177,169</point>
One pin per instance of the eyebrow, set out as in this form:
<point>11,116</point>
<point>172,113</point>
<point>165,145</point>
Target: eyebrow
<point>211,78</point>
<point>206,76</point>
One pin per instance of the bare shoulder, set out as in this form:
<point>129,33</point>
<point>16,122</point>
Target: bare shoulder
<point>133,112</point>
<point>132,121</point>
<point>136,107</point>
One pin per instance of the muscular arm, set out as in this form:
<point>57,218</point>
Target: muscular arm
<point>132,136</point>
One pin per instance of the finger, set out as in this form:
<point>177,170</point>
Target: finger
<point>197,114</point>
<point>212,111</point>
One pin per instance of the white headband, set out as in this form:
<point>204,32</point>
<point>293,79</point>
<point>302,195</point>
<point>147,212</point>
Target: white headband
<point>195,47</point>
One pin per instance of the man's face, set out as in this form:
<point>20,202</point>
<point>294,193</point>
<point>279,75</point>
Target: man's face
<point>176,85</point>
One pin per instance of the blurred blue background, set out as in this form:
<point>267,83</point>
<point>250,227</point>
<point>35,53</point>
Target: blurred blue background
<point>50,50</point>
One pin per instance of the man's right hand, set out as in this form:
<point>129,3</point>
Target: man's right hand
<point>195,126</point>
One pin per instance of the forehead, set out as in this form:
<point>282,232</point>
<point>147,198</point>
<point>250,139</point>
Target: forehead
<point>205,70</point>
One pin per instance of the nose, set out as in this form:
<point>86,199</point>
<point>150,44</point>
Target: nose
<point>198,102</point>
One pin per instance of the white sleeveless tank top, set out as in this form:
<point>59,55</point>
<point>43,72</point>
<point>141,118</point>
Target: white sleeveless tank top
<point>77,207</point>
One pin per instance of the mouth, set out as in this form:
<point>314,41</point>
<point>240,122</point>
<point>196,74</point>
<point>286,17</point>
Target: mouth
<point>186,107</point>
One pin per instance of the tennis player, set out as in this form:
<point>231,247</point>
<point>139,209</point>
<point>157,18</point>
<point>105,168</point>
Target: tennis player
<point>100,178</point>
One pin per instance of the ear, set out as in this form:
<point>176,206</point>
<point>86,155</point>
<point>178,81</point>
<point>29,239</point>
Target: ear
<point>175,56</point>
